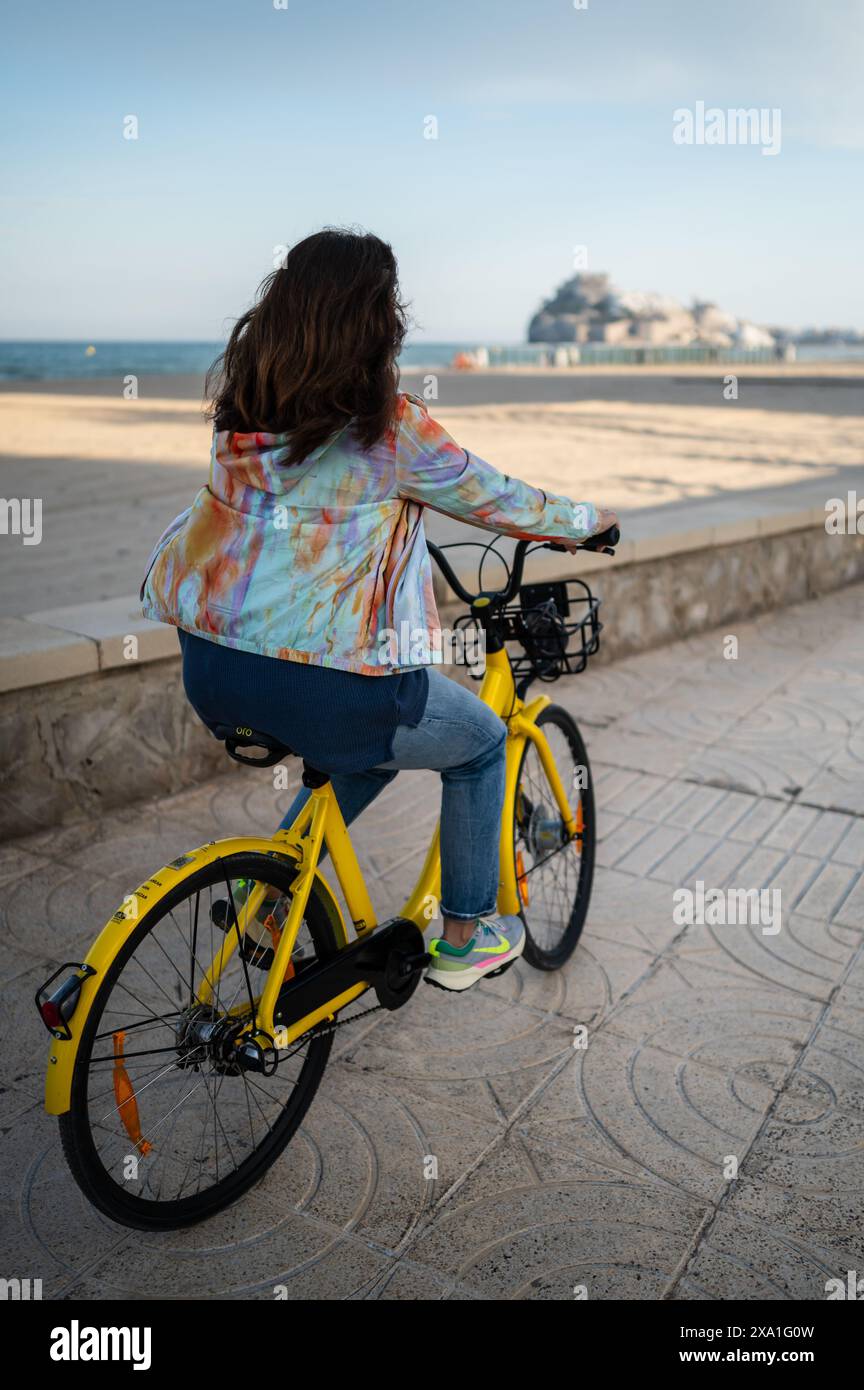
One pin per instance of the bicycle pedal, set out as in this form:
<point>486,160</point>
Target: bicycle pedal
<point>490,974</point>
<point>257,951</point>
<point>221,915</point>
<point>451,992</point>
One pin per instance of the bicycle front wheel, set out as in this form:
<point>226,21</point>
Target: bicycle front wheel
<point>165,1128</point>
<point>554,872</point>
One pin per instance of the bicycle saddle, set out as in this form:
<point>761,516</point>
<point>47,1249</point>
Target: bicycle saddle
<point>241,736</point>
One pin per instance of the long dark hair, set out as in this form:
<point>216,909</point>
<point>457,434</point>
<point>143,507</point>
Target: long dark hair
<point>318,348</point>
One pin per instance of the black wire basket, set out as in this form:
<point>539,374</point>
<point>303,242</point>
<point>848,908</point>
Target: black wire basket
<point>556,625</point>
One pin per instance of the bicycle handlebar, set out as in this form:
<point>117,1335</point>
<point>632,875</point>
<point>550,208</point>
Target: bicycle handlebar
<point>603,543</point>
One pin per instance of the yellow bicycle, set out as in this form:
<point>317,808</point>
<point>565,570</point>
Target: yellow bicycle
<point>189,1044</point>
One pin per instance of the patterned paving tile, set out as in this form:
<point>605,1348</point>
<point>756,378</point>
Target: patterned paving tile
<point>581,1122</point>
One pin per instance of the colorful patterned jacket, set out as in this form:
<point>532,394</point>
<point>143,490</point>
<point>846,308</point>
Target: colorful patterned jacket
<point>313,562</point>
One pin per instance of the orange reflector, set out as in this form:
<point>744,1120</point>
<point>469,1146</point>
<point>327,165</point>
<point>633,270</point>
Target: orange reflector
<point>124,1094</point>
<point>521,878</point>
<point>275,937</point>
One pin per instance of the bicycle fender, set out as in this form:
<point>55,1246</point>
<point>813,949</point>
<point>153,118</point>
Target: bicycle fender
<point>120,926</point>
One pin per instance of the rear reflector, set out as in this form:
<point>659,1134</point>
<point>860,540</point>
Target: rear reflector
<point>51,1015</point>
<point>56,1009</point>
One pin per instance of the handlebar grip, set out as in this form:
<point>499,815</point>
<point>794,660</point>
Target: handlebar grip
<point>603,539</point>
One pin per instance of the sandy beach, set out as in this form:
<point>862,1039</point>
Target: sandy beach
<point>112,473</point>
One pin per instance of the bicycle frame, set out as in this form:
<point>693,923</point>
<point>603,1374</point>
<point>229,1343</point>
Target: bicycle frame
<point>319,824</point>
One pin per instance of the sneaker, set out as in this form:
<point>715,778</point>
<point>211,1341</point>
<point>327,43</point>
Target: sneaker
<point>261,934</point>
<point>496,943</point>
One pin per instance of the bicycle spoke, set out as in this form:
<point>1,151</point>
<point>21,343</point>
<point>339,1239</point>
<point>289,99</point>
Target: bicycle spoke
<point>181,1097</point>
<point>553,876</point>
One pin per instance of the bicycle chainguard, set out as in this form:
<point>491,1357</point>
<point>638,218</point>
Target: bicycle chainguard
<point>390,960</point>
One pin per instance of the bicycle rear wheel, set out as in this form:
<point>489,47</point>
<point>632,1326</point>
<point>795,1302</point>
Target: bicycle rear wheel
<point>554,873</point>
<point>164,1127</point>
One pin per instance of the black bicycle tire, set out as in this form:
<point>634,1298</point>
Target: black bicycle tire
<point>143,1214</point>
<point>535,955</point>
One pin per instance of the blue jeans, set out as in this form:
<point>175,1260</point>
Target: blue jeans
<point>464,741</point>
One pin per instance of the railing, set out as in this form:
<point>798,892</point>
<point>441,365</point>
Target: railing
<point>590,354</point>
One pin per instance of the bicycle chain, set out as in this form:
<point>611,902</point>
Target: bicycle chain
<point>324,1031</point>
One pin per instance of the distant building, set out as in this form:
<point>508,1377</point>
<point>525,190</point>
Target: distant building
<point>588,309</point>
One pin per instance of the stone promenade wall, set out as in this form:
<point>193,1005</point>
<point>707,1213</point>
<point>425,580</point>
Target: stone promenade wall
<point>84,729</point>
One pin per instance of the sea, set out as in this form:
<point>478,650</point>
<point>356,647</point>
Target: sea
<point>64,361</point>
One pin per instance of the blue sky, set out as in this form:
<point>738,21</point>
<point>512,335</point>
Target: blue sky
<point>257,125</point>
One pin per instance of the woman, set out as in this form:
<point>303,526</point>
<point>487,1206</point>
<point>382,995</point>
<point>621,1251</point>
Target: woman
<point>308,547</point>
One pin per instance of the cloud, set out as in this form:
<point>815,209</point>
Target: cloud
<point>802,57</point>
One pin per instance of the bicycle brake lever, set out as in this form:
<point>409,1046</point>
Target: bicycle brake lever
<point>610,539</point>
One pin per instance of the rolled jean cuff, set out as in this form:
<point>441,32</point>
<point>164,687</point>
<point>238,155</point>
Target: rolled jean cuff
<point>467,916</point>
